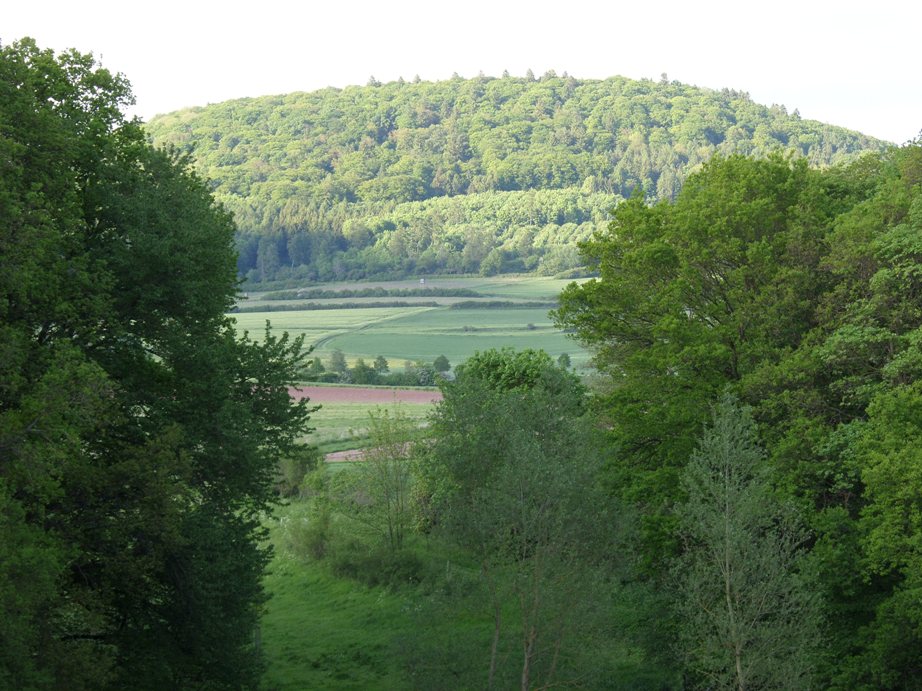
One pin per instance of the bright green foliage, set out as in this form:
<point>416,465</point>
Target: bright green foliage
<point>508,370</point>
<point>800,291</point>
<point>747,619</point>
<point>890,448</point>
<point>691,296</point>
<point>480,175</point>
<point>138,435</point>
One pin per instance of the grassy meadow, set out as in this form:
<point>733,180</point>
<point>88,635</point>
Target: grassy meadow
<point>407,332</point>
<point>342,426</point>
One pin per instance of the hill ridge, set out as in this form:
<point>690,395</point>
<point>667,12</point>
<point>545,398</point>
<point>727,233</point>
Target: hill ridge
<point>357,182</point>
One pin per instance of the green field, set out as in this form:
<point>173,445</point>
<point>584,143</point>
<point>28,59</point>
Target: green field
<point>493,287</point>
<point>341,426</point>
<point>423,333</point>
<point>321,325</point>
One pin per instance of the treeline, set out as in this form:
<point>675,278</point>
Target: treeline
<point>486,233</point>
<point>378,373</point>
<point>399,178</point>
<point>499,305</point>
<point>781,306</point>
<point>376,292</point>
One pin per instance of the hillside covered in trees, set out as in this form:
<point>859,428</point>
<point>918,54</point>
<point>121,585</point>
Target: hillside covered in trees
<point>467,175</point>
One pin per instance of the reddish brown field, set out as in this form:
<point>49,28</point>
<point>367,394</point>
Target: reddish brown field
<point>355,394</point>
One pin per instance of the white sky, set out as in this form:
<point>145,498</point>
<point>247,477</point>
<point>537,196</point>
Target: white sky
<point>854,64</point>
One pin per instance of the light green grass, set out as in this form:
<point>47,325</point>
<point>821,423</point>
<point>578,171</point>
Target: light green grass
<point>458,334</point>
<point>343,426</point>
<point>524,287</point>
<point>319,325</point>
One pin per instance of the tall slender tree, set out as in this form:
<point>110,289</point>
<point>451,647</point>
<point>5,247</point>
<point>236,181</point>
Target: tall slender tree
<point>748,620</point>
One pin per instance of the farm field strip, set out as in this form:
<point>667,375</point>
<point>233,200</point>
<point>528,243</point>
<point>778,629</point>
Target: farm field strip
<point>378,395</point>
<point>317,326</point>
<point>507,287</point>
<point>443,301</point>
<point>423,333</point>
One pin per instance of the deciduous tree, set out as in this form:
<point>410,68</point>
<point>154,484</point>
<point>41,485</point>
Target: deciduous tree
<point>138,434</point>
<point>511,476</point>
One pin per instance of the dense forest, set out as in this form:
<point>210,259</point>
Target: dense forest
<point>468,175</point>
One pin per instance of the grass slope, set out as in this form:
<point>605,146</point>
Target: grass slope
<point>323,632</point>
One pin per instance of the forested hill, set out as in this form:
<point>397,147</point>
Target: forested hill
<point>464,175</point>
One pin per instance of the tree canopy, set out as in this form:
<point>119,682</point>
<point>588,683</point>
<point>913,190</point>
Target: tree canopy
<point>138,434</point>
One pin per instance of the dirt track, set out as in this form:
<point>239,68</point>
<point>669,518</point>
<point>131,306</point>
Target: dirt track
<point>356,394</point>
<point>345,456</point>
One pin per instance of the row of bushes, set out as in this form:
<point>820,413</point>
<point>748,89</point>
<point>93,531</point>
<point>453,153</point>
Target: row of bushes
<point>501,305</point>
<point>303,307</point>
<point>374,292</point>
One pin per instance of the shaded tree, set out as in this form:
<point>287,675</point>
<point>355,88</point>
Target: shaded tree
<point>510,476</point>
<point>381,489</point>
<point>441,364</point>
<point>139,436</point>
<point>338,361</point>
<point>381,365</point>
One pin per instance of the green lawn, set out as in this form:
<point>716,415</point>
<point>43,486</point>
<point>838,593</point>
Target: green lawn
<point>323,632</point>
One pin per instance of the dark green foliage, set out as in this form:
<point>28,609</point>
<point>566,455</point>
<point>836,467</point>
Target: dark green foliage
<point>499,305</point>
<point>441,364</point>
<point>481,175</point>
<point>381,365</point>
<point>337,361</point>
<point>139,437</point>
